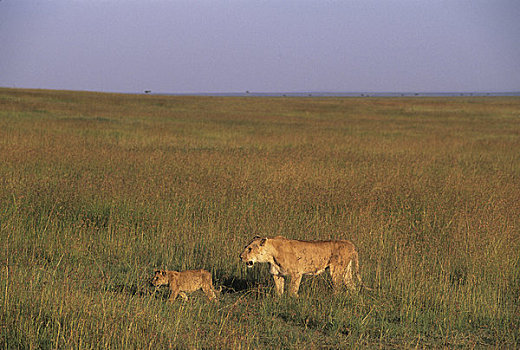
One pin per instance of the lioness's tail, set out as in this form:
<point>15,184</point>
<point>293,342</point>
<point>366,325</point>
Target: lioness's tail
<point>353,268</point>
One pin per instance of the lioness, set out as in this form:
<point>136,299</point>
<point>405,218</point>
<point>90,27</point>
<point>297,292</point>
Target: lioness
<point>185,281</point>
<point>294,258</point>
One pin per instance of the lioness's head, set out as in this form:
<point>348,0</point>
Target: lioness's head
<point>255,252</point>
<point>160,278</point>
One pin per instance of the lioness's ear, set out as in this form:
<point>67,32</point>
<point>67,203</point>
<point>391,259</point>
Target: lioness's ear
<point>256,237</point>
<point>262,242</point>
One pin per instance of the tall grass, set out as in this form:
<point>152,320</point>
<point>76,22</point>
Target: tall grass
<point>97,190</point>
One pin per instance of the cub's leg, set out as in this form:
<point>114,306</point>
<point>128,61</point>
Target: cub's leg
<point>183,296</point>
<point>295,284</point>
<point>174,292</point>
<point>279,283</point>
<point>209,291</point>
<point>207,287</point>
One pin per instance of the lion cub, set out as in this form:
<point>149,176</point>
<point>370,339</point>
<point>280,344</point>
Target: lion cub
<point>185,281</point>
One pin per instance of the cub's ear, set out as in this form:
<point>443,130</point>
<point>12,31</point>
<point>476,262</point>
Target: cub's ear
<point>163,273</point>
<point>156,272</point>
<point>262,242</point>
<point>256,237</point>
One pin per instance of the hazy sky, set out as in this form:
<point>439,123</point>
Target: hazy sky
<point>261,46</point>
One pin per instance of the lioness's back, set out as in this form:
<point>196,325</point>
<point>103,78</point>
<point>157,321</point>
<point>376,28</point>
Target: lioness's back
<point>315,245</point>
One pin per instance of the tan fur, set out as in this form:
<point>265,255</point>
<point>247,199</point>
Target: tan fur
<point>185,281</point>
<point>295,258</point>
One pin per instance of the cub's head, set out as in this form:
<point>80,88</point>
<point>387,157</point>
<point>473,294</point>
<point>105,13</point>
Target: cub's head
<point>160,278</point>
<point>256,251</point>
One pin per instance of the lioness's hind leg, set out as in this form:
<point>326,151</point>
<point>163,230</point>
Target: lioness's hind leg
<point>183,296</point>
<point>349,278</point>
<point>295,284</point>
<point>337,274</point>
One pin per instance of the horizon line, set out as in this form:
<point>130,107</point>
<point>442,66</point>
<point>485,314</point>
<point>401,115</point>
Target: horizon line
<point>292,93</point>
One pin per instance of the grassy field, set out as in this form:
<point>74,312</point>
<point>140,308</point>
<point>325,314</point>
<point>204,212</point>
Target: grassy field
<point>98,190</point>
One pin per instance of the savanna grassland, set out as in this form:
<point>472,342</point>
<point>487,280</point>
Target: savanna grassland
<point>98,190</point>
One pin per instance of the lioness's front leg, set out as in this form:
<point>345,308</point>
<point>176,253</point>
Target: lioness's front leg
<point>278,282</point>
<point>295,284</point>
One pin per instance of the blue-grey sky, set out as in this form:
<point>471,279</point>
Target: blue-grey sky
<point>190,46</point>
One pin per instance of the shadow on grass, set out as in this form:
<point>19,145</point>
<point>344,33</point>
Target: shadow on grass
<point>224,283</point>
<point>230,284</point>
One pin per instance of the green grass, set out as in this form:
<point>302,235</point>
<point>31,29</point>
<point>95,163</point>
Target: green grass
<point>98,190</point>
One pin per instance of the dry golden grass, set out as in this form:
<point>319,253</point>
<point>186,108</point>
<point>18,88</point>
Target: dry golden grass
<point>97,190</point>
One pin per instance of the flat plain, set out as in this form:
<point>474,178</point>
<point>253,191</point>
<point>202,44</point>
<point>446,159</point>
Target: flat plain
<point>97,190</point>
